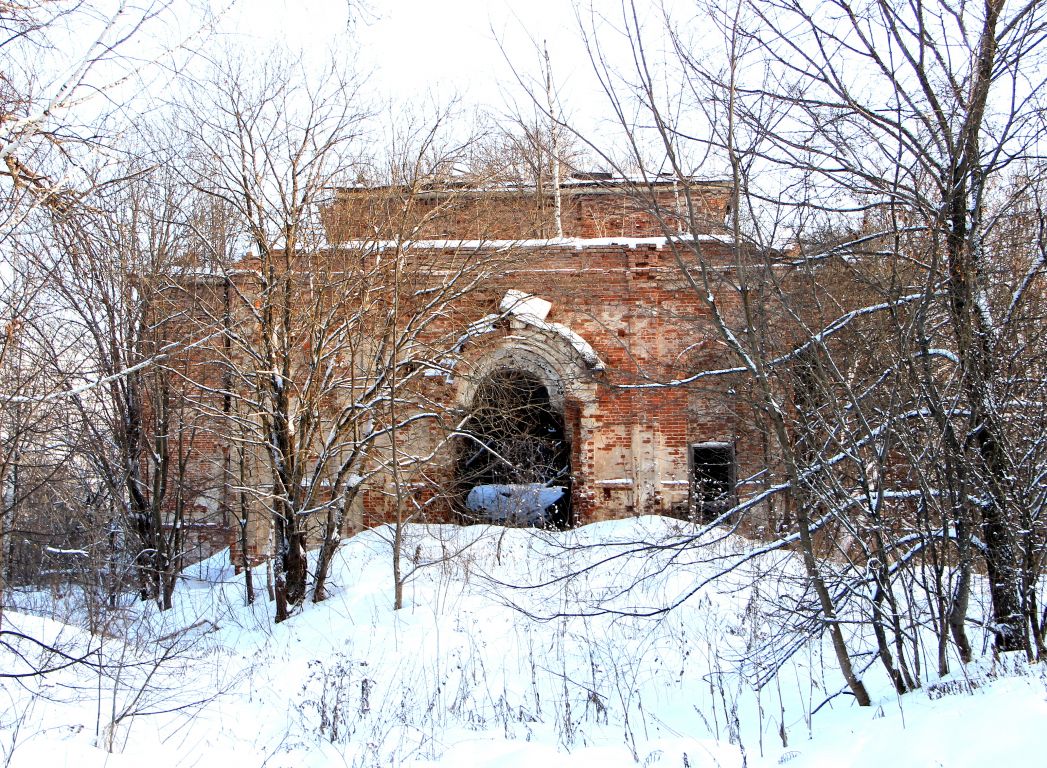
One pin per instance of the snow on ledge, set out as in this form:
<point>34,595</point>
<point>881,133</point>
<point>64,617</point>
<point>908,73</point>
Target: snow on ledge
<point>579,243</point>
<point>580,345</point>
<point>530,310</point>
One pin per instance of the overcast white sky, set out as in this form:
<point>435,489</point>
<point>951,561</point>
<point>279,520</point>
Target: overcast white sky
<point>426,52</point>
<point>418,48</point>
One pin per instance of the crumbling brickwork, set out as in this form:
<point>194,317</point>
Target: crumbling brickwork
<point>601,322</point>
<point>616,293</point>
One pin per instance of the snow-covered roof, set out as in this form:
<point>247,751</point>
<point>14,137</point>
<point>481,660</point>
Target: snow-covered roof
<point>594,182</point>
<point>579,243</point>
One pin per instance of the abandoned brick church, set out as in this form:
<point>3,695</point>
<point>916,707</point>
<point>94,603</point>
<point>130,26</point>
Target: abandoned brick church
<point>575,391</point>
<point>564,375</point>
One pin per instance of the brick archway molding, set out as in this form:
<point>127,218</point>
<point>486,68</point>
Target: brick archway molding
<point>568,367</point>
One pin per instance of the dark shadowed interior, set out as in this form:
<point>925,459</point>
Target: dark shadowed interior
<point>515,438</point>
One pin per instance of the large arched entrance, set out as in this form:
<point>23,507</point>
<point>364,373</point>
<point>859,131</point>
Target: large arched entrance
<point>514,460</point>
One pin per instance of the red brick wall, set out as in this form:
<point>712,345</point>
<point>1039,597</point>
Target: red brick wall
<point>629,435</point>
<point>587,211</point>
<point>648,328</point>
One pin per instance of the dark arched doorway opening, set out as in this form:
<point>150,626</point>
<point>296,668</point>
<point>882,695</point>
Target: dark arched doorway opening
<point>514,461</point>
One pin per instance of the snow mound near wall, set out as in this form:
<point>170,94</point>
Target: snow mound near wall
<point>499,658</point>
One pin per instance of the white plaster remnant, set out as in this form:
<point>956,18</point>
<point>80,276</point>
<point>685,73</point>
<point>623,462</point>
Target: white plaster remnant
<point>208,502</point>
<point>530,310</point>
<point>524,306</point>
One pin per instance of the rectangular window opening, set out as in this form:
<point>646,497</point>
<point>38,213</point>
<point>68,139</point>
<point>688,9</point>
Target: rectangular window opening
<point>713,478</point>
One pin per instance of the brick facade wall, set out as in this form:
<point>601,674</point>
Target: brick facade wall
<point>588,210</point>
<point>629,435</point>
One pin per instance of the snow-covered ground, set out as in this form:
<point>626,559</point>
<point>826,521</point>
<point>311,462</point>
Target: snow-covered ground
<point>474,671</point>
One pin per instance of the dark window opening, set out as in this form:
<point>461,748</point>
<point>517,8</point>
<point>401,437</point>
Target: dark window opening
<point>712,479</point>
<point>514,462</point>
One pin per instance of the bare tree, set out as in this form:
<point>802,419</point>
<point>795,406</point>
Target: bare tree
<point>36,445</point>
<point>63,98</point>
<point>877,183</point>
<point>57,89</point>
<point>325,344</point>
<point>114,266</point>
<point>921,145</point>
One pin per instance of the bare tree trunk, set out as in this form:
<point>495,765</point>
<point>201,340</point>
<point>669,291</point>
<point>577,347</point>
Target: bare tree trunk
<point>974,339</point>
<point>554,145</point>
